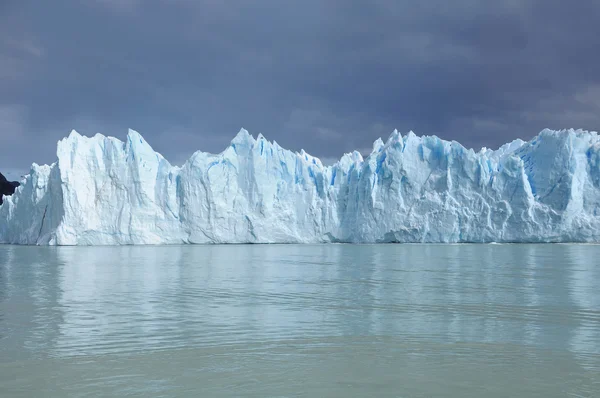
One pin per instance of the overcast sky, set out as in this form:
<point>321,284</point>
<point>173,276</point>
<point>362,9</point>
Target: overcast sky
<point>328,76</point>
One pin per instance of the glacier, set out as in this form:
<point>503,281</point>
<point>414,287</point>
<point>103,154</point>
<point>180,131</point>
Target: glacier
<point>102,191</point>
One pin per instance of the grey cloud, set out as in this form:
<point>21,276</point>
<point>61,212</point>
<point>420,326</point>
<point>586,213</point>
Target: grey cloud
<point>325,76</point>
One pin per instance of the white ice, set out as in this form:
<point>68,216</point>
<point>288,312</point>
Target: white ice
<point>102,191</point>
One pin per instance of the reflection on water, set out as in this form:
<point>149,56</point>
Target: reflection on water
<point>325,320</point>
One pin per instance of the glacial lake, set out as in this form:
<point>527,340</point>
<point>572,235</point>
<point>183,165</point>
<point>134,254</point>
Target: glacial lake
<point>300,321</point>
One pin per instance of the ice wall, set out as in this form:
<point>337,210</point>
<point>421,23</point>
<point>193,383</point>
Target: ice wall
<point>409,189</point>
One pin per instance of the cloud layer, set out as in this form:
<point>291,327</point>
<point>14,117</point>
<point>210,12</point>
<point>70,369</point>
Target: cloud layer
<point>326,76</point>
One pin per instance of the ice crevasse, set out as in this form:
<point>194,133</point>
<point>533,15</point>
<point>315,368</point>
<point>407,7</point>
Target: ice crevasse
<point>102,191</point>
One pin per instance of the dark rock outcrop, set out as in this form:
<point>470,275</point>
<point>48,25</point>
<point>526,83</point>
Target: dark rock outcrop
<point>7,187</point>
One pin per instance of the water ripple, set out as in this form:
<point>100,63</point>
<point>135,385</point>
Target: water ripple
<point>427,320</point>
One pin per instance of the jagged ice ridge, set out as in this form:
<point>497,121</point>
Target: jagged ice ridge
<point>102,191</point>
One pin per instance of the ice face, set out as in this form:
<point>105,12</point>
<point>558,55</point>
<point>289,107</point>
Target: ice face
<point>409,189</point>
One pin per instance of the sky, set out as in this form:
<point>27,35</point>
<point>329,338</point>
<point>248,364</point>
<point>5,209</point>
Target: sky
<point>327,76</point>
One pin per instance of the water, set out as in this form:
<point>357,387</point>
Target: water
<point>292,321</point>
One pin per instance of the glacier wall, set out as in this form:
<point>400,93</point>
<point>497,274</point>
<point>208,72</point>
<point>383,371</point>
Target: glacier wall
<point>102,191</point>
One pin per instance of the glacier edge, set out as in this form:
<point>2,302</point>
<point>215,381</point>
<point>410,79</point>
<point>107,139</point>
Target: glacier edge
<point>103,191</point>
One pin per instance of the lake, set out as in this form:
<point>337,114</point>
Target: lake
<point>300,321</point>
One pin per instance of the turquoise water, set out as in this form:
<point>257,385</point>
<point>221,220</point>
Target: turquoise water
<point>294,320</point>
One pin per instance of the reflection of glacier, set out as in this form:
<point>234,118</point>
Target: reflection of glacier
<point>113,299</point>
<point>536,299</point>
<point>131,298</point>
<point>182,312</point>
<point>409,189</point>
<point>585,274</point>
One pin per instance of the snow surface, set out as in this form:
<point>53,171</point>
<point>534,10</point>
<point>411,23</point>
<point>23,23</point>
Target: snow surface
<point>102,191</point>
